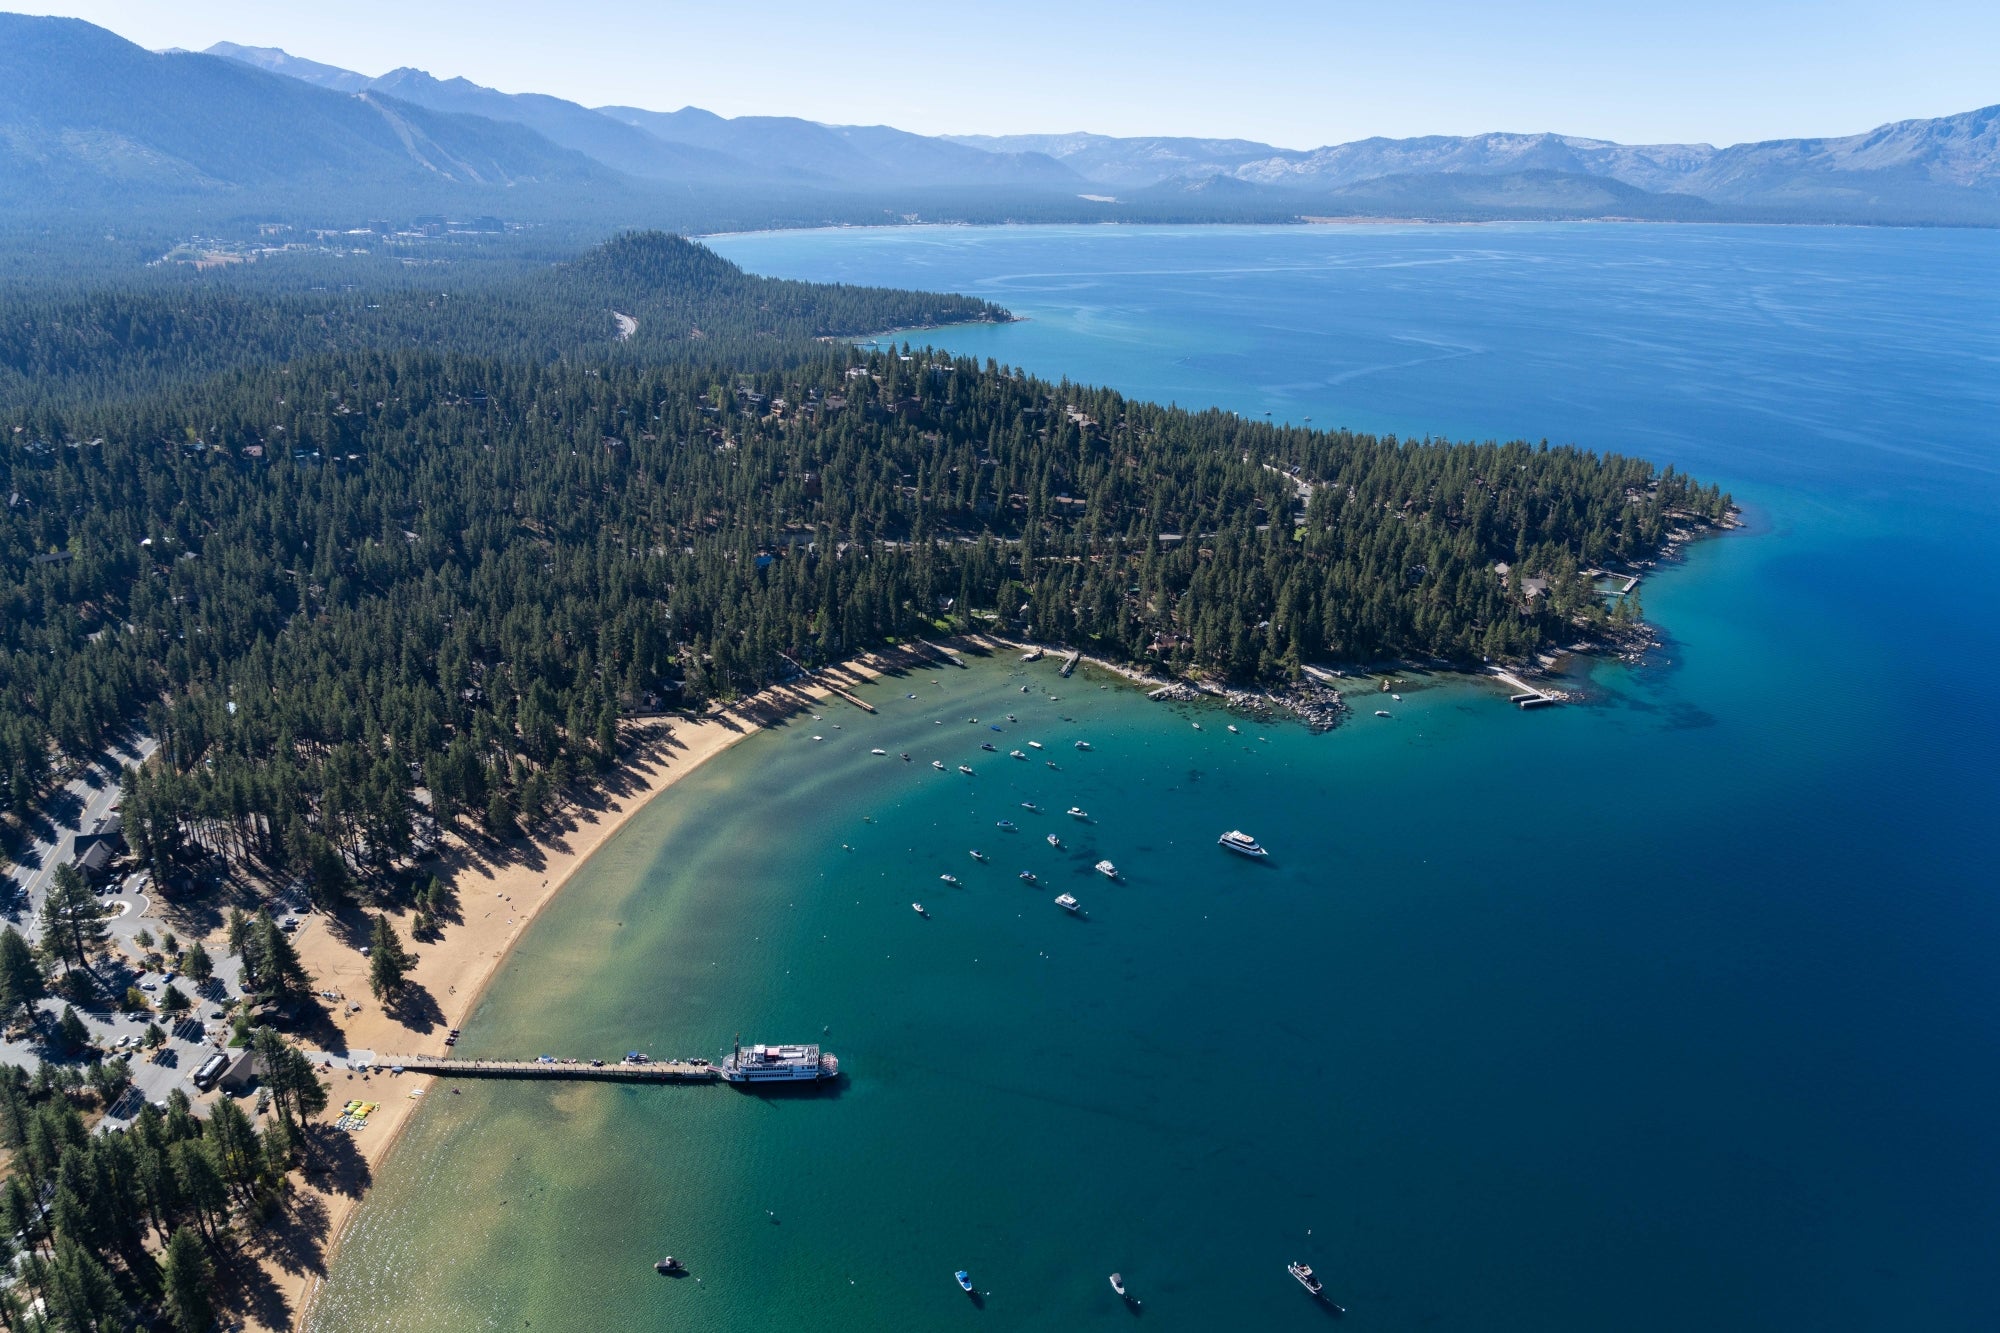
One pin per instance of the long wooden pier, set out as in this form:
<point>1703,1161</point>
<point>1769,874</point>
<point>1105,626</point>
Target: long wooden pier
<point>617,1071</point>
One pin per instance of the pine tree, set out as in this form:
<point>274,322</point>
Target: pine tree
<point>75,1036</point>
<point>72,919</point>
<point>21,982</point>
<point>198,965</point>
<point>187,1281</point>
<point>388,961</point>
<point>272,968</point>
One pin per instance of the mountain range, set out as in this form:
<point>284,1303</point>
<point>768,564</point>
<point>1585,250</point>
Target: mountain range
<point>87,118</point>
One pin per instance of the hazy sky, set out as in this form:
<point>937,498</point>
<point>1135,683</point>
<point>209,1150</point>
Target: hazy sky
<point>1297,75</point>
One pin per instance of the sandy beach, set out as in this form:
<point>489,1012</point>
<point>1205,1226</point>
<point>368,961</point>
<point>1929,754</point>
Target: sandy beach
<point>497,900</point>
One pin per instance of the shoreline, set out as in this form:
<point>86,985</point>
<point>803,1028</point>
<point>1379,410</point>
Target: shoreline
<point>456,968</point>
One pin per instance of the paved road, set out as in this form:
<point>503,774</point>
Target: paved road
<point>76,808</point>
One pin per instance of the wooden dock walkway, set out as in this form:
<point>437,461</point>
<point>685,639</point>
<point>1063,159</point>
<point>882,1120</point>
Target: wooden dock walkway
<point>857,701</point>
<point>616,1071</point>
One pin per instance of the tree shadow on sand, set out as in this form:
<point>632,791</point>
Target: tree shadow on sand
<point>415,1008</point>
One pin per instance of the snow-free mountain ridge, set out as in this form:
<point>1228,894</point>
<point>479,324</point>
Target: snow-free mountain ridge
<point>90,120</point>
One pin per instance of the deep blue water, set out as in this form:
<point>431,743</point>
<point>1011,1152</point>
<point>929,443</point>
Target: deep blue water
<point>1676,1008</point>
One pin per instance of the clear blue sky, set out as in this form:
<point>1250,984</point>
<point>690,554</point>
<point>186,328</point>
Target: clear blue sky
<point>1297,75</point>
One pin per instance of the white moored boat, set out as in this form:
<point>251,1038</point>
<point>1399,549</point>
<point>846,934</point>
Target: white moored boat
<point>1106,869</point>
<point>778,1064</point>
<point>1241,843</point>
<point>1068,902</point>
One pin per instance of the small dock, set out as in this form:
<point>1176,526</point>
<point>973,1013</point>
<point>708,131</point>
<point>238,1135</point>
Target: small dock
<point>940,654</point>
<point>1069,663</point>
<point>811,677</point>
<point>1528,696</point>
<point>612,1071</point>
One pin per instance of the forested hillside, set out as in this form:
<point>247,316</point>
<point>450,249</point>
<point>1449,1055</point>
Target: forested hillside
<point>329,582</point>
<point>118,339</point>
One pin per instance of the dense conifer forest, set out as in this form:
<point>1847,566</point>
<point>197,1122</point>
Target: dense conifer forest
<point>117,339</point>
<point>331,581</point>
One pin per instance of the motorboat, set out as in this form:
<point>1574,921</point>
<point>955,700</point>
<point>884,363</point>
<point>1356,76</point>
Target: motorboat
<point>1030,805</point>
<point>938,764</point>
<point>1118,1285</point>
<point>1106,869</point>
<point>1034,745</point>
<point>978,855</point>
<point>1007,824</point>
<point>878,752</point>
<point>949,879</point>
<point>918,908</point>
<point>1027,877</point>
<point>1054,841</point>
<point>669,1265</point>
<point>1077,812</point>
<point>1241,843</point>
<point>1083,745</point>
<point>987,746</point>
<point>1016,754</point>
<point>965,770</point>
<point>964,1281</point>
<point>1068,902</point>
<point>1381,712</point>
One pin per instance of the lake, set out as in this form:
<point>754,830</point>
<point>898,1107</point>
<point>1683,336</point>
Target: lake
<point>1673,1006</point>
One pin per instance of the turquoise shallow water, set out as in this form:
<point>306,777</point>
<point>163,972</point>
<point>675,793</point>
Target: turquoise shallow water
<point>1677,1007</point>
